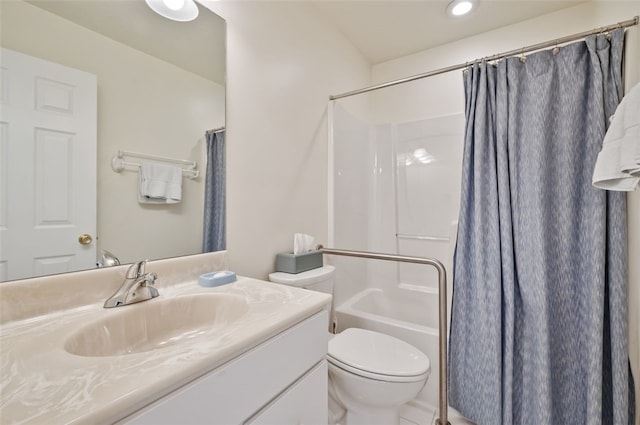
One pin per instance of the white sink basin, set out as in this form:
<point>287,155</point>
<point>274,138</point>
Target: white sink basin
<point>156,324</point>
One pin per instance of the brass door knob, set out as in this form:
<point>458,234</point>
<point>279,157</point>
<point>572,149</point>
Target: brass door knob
<point>85,239</point>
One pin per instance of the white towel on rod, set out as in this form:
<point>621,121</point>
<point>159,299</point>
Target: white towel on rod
<point>159,184</point>
<point>618,164</point>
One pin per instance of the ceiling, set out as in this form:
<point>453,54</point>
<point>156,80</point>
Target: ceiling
<point>388,29</point>
<point>178,43</point>
<point>380,29</point>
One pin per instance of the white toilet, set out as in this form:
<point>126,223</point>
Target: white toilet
<point>370,374</point>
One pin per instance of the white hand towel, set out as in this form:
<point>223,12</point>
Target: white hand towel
<point>618,163</point>
<point>159,184</point>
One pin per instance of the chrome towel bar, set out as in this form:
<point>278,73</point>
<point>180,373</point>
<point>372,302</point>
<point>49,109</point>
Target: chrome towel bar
<point>118,162</point>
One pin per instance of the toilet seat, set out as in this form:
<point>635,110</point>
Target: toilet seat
<point>377,356</point>
<point>375,376</point>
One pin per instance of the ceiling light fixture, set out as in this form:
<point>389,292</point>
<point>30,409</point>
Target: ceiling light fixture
<point>460,7</point>
<point>176,10</point>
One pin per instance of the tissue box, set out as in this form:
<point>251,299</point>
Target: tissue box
<point>288,262</point>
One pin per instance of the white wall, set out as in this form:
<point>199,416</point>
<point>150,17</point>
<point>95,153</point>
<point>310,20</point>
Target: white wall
<point>283,62</point>
<point>444,94</point>
<point>633,216</point>
<point>144,105</point>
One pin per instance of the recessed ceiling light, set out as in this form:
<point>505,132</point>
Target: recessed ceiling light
<point>176,10</point>
<point>460,7</point>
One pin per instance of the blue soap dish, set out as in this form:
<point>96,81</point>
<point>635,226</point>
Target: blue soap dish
<point>217,278</point>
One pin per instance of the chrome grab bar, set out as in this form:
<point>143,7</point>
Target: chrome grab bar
<point>442,310</point>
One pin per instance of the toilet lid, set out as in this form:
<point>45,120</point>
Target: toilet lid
<point>373,352</point>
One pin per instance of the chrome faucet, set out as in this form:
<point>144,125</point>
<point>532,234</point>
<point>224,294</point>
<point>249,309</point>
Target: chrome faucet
<point>136,287</point>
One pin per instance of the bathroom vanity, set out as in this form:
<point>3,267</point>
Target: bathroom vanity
<point>247,352</point>
<point>277,382</point>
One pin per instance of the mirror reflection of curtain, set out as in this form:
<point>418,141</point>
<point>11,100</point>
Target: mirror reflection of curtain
<point>214,199</point>
<point>539,310</point>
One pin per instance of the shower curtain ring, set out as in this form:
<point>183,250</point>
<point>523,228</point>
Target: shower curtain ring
<point>523,58</point>
<point>604,31</point>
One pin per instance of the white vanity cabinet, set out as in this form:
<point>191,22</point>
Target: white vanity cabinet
<point>282,381</point>
<point>300,404</point>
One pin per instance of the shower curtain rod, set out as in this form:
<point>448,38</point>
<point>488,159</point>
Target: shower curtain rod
<point>526,49</point>
<point>216,130</point>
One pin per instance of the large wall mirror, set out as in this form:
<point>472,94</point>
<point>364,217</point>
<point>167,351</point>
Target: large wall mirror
<point>158,87</point>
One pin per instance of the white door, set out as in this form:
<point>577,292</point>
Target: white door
<point>48,127</point>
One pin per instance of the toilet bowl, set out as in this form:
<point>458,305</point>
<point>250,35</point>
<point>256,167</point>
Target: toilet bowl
<point>370,374</point>
<point>374,374</point>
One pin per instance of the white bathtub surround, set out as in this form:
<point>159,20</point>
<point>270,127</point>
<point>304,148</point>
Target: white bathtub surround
<point>43,383</point>
<point>411,174</point>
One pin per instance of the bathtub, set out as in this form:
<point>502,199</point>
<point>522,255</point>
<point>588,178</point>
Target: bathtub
<point>408,315</point>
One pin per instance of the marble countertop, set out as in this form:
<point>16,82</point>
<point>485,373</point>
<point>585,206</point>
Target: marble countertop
<point>41,383</point>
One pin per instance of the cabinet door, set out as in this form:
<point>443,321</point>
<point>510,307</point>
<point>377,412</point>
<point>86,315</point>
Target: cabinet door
<point>304,403</point>
<point>238,389</point>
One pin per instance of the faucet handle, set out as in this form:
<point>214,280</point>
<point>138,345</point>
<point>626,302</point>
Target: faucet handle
<point>149,281</point>
<point>150,278</point>
<point>136,269</point>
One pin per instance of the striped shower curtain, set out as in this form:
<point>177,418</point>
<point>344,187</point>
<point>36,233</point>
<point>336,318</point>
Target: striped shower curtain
<point>214,238</point>
<point>539,311</point>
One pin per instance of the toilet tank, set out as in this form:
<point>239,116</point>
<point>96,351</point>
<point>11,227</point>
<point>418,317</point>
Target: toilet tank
<point>320,279</point>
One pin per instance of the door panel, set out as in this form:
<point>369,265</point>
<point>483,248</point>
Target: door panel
<point>48,126</point>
